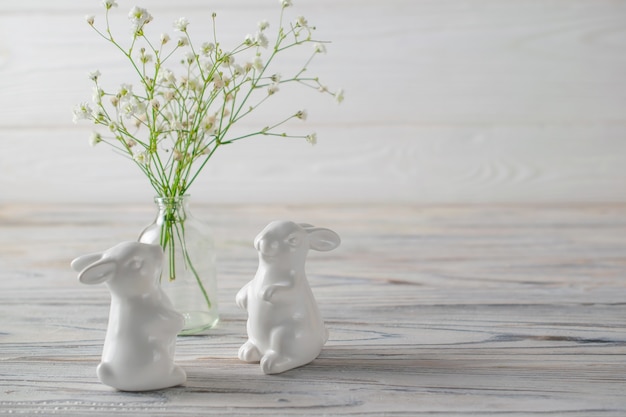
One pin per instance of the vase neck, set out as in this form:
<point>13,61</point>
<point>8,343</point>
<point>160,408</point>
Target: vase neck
<point>172,202</point>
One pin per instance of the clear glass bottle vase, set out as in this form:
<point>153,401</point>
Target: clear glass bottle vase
<point>188,276</point>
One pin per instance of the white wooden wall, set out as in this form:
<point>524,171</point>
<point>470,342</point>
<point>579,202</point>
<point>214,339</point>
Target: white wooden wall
<point>446,101</point>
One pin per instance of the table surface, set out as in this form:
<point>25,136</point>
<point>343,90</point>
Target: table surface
<point>432,310</point>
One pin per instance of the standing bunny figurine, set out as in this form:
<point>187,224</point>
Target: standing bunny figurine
<point>138,353</point>
<point>285,329</point>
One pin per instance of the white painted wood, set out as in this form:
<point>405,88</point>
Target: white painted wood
<point>455,101</point>
<point>432,310</point>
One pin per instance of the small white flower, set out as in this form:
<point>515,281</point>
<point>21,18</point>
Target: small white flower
<point>286,3</point>
<point>228,60</point>
<point>302,114</point>
<point>312,138</point>
<point>109,4</point>
<point>208,124</point>
<point>258,63</point>
<point>98,93</point>
<point>113,126</point>
<point>95,138</point>
<point>261,40</point>
<point>165,38</point>
<point>90,19</point>
<point>207,48</point>
<point>319,48</point>
<point>144,57</point>
<point>94,75</point>
<point>218,81</point>
<point>183,41</point>
<point>302,22</point>
<point>140,157</point>
<point>125,92</point>
<point>272,89</point>
<point>139,17</point>
<point>339,95</point>
<point>263,24</point>
<point>190,57</point>
<point>181,24</point>
<point>82,112</point>
<point>167,77</point>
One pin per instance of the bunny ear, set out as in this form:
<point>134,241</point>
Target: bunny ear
<point>84,261</point>
<point>98,272</point>
<point>322,239</point>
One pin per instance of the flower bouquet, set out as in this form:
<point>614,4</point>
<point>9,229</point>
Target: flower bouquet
<point>182,106</point>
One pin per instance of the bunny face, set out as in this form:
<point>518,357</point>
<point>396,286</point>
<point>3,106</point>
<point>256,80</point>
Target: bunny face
<point>289,240</point>
<point>281,238</point>
<point>129,269</point>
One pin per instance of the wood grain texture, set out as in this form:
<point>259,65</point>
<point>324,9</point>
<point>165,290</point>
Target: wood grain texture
<point>432,310</point>
<point>456,101</point>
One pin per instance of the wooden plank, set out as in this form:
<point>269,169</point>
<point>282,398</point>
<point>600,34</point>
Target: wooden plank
<point>482,101</point>
<point>440,309</point>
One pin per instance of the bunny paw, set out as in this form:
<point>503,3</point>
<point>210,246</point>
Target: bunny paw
<point>249,352</point>
<point>273,363</point>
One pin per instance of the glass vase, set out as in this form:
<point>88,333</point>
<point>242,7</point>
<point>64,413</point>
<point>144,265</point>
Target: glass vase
<point>188,276</point>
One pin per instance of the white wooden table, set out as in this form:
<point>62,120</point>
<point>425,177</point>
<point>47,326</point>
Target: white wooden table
<point>432,310</point>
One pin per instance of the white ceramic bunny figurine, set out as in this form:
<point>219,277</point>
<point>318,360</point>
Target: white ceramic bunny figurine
<point>285,328</point>
<point>138,353</point>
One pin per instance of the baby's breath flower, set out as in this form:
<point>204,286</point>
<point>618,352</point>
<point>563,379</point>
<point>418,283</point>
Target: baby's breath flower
<point>140,157</point>
<point>94,75</point>
<point>180,118</point>
<point>125,91</point>
<point>207,48</point>
<point>98,93</point>
<point>144,57</point>
<point>228,60</point>
<point>272,89</point>
<point>339,95</point>
<point>181,24</point>
<point>82,112</point>
<point>139,17</point>
<point>190,57</point>
<point>261,40</point>
<point>258,63</point>
<point>301,21</point>
<point>95,138</point>
<point>319,48</point>
<point>109,4</point>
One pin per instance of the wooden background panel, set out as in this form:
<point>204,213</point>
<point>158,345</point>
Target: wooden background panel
<point>456,101</point>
